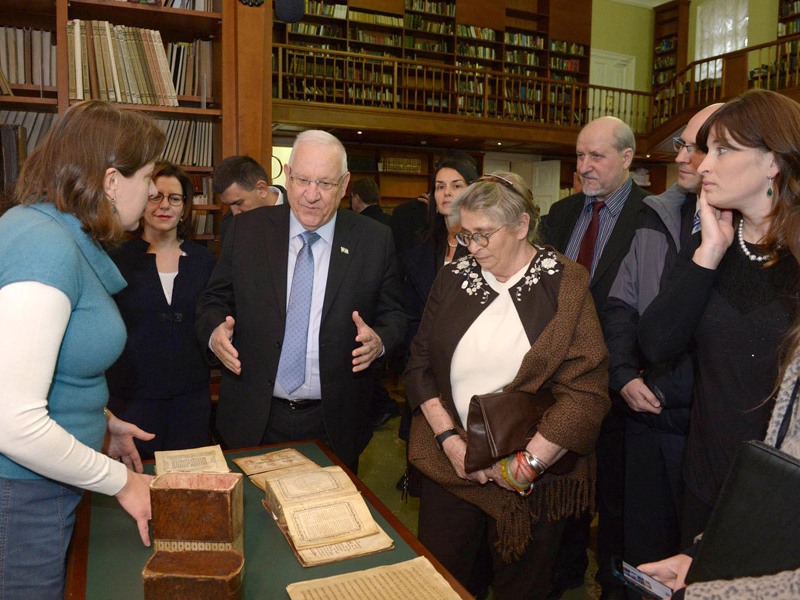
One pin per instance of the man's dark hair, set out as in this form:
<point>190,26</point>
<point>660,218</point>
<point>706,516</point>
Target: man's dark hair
<point>367,190</point>
<point>241,170</point>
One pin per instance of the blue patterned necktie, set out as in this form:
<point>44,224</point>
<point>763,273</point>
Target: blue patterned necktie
<point>696,223</point>
<point>292,365</point>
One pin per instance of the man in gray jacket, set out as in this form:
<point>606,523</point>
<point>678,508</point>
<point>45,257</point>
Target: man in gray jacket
<point>657,397</point>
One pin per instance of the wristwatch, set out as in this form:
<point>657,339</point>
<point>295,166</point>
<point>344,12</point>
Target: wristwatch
<point>443,436</point>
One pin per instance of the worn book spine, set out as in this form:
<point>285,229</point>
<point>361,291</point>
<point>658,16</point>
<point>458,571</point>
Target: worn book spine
<point>91,59</point>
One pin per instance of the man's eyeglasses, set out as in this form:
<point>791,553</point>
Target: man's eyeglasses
<point>482,239</point>
<point>325,186</point>
<point>678,144</point>
<point>173,199</point>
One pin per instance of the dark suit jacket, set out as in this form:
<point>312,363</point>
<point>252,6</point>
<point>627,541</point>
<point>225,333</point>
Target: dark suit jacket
<point>161,358</point>
<point>249,283</point>
<point>375,212</point>
<point>561,221</point>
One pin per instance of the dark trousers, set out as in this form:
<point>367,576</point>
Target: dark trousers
<point>653,492</point>
<point>179,422</point>
<point>572,560</point>
<point>287,425</point>
<point>694,517</point>
<point>462,537</point>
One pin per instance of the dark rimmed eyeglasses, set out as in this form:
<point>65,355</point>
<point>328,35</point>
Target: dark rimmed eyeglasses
<point>173,199</point>
<point>325,186</point>
<point>679,144</point>
<point>482,239</point>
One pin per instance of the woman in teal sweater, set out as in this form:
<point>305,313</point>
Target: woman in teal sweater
<point>85,184</point>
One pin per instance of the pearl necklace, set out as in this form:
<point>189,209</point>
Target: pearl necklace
<point>743,246</point>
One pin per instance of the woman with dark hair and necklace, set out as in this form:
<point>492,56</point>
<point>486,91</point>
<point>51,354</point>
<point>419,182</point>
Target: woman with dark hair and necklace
<point>732,295</point>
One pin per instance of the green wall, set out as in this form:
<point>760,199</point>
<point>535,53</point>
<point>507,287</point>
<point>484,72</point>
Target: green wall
<point>610,19</point>
<point>625,29</point>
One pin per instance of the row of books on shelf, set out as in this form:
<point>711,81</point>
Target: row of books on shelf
<point>418,23</point>
<point>522,57</point>
<point>325,9</point>
<point>317,30</point>
<point>426,46</point>
<point>525,39</point>
<point>565,64</point>
<point>567,48</point>
<point>200,5</point>
<point>190,67</point>
<point>789,28</point>
<point>189,143</point>
<point>477,33</point>
<point>28,56</point>
<point>667,45</point>
<point>790,9</point>
<point>34,124</point>
<point>476,51</point>
<point>373,38</point>
<point>664,62</point>
<point>444,8</point>
<point>202,220</point>
<point>118,63</point>
<point>376,19</point>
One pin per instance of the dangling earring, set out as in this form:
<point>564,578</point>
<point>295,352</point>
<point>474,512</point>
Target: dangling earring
<point>769,189</point>
<point>114,205</point>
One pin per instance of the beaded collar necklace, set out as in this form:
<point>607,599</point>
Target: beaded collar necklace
<point>745,250</point>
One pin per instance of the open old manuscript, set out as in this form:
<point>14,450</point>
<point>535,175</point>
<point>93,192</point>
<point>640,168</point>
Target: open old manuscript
<point>414,578</point>
<point>320,512</point>
<point>208,459</point>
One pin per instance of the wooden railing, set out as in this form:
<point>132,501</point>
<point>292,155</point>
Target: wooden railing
<point>329,76</point>
<point>774,65</point>
<point>310,74</point>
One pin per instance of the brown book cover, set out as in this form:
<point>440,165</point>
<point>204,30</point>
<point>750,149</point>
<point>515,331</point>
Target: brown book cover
<point>20,55</point>
<point>27,54</point>
<point>90,50</point>
<point>148,65</point>
<point>163,64</point>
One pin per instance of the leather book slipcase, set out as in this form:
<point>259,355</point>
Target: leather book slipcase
<point>197,537</point>
<point>754,528</point>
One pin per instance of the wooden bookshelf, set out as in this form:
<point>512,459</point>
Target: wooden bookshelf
<point>670,39</point>
<point>200,112</point>
<point>789,17</point>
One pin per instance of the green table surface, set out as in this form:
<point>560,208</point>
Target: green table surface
<point>114,556</point>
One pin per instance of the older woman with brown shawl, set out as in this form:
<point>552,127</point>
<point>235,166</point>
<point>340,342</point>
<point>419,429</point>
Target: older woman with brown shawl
<point>512,315</point>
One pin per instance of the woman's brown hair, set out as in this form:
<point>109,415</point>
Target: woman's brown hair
<point>769,122</point>
<point>68,167</point>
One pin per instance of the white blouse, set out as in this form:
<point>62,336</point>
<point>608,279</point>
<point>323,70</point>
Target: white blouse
<point>490,353</point>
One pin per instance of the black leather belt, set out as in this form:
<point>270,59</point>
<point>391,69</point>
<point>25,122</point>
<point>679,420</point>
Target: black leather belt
<point>297,404</point>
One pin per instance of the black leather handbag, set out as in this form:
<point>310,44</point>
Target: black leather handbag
<point>754,528</point>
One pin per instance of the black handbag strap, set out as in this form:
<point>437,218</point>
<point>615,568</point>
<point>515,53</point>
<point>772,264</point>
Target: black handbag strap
<point>787,417</point>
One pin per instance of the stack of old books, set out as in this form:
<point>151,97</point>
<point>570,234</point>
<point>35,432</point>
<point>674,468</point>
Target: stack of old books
<point>319,510</point>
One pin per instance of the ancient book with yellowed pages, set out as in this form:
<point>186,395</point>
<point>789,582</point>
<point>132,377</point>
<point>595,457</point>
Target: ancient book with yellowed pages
<point>322,514</point>
<point>208,459</point>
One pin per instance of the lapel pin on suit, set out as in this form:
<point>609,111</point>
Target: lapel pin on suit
<point>344,250</point>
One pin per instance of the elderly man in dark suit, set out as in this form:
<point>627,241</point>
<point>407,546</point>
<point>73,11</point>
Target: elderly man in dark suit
<point>303,299</point>
<point>595,228</point>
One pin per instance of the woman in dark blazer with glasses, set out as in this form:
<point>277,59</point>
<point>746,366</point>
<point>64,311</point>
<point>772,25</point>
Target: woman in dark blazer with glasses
<point>161,381</point>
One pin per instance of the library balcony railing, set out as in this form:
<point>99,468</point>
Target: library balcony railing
<point>306,74</point>
<point>330,76</point>
<point>774,65</point>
